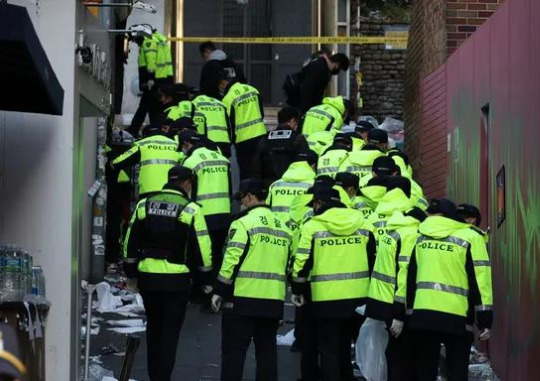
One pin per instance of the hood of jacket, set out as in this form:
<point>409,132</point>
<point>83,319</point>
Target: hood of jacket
<point>374,192</point>
<point>399,220</point>
<point>364,158</point>
<point>217,55</point>
<point>159,37</point>
<point>392,201</point>
<point>336,102</point>
<point>340,221</point>
<point>299,171</point>
<point>440,227</point>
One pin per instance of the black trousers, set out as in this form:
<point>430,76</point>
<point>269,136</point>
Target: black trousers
<point>147,105</point>
<point>165,312</point>
<point>236,335</point>
<point>426,349</point>
<point>245,152</point>
<point>218,238</point>
<point>399,357</point>
<point>306,334</point>
<point>334,338</point>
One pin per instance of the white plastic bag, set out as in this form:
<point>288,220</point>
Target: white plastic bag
<point>370,350</point>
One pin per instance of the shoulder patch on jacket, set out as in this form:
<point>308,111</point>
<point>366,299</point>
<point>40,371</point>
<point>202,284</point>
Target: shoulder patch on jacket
<point>232,232</point>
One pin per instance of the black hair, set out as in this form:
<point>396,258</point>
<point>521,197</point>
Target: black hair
<point>398,182</point>
<point>349,106</point>
<point>207,45</point>
<point>286,114</point>
<point>343,60</point>
<point>417,213</point>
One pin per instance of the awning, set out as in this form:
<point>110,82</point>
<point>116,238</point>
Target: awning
<point>28,82</point>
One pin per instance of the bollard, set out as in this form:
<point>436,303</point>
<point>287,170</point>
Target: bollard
<point>90,291</point>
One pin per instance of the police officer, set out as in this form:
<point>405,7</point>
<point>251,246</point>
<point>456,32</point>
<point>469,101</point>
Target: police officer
<point>360,138</point>
<point>396,198</point>
<point>361,162</point>
<point>347,185</point>
<point>156,154</point>
<point>295,181</point>
<point>155,68</point>
<point>448,288</point>
<point>246,114</point>
<point>328,115</point>
<point>471,215</point>
<point>336,254</point>
<point>334,156</point>
<point>393,254</point>
<point>253,285</point>
<point>212,189</point>
<point>211,119</point>
<point>279,147</point>
<point>166,242</point>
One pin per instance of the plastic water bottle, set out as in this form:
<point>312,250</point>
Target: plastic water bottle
<point>12,273</point>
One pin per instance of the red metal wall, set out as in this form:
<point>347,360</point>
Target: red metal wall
<point>498,66</point>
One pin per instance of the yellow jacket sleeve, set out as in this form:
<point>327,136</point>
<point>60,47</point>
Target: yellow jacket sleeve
<point>238,243</point>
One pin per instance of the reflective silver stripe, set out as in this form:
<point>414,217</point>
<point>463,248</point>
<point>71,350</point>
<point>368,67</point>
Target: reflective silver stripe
<point>201,232</point>
<point>483,308</point>
<point>303,251</point>
<point>380,224</point>
<point>205,269</point>
<point>189,210</point>
<point>322,235</point>
<point>281,208</point>
<point>285,184</point>
<point>383,277</point>
<point>197,113</point>
<point>421,239</point>
<point>269,231</point>
<point>457,241</point>
<point>244,96</point>
<point>130,260</point>
<point>210,163</point>
<point>327,170</point>
<point>239,245</point>
<point>363,232</point>
<point>159,161</point>
<point>311,143</point>
<point>482,263</point>
<point>423,201</point>
<point>404,258</point>
<point>222,279</point>
<point>164,64</point>
<point>249,124</point>
<point>165,143</point>
<point>395,235</point>
<point>442,287</point>
<point>261,275</point>
<point>208,104</point>
<point>345,276</point>
<point>321,112</point>
<point>360,168</point>
<point>216,128</point>
<point>227,305</point>
<point>399,299</point>
<point>360,205</point>
<point>210,196</point>
<point>299,280</point>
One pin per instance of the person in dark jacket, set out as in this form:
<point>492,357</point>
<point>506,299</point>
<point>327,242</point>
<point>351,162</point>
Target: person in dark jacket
<point>316,76</point>
<point>216,62</point>
<point>280,147</point>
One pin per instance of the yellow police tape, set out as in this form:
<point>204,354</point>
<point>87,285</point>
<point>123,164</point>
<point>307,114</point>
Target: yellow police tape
<point>296,40</point>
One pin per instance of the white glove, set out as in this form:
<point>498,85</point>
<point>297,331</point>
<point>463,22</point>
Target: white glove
<point>298,300</point>
<point>396,328</point>
<point>216,302</point>
<point>485,334</point>
<point>150,84</point>
<point>207,289</point>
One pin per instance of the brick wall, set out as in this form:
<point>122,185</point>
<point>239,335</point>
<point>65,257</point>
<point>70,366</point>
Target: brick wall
<point>438,28</point>
<point>463,17</point>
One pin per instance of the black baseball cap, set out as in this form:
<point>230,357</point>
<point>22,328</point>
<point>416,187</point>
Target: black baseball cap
<point>322,181</point>
<point>384,166</point>
<point>443,206</point>
<point>399,182</point>
<point>376,135</point>
<point>184,123</point>
<point>347,179</point>
<point>468,210</point>
<point>11,364</point>
<point>310,156</point>
<point>363,126</point>
<point>325,194</point>
<point>189,136</point>
<point>179,172</point>
<point>253,185</point>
